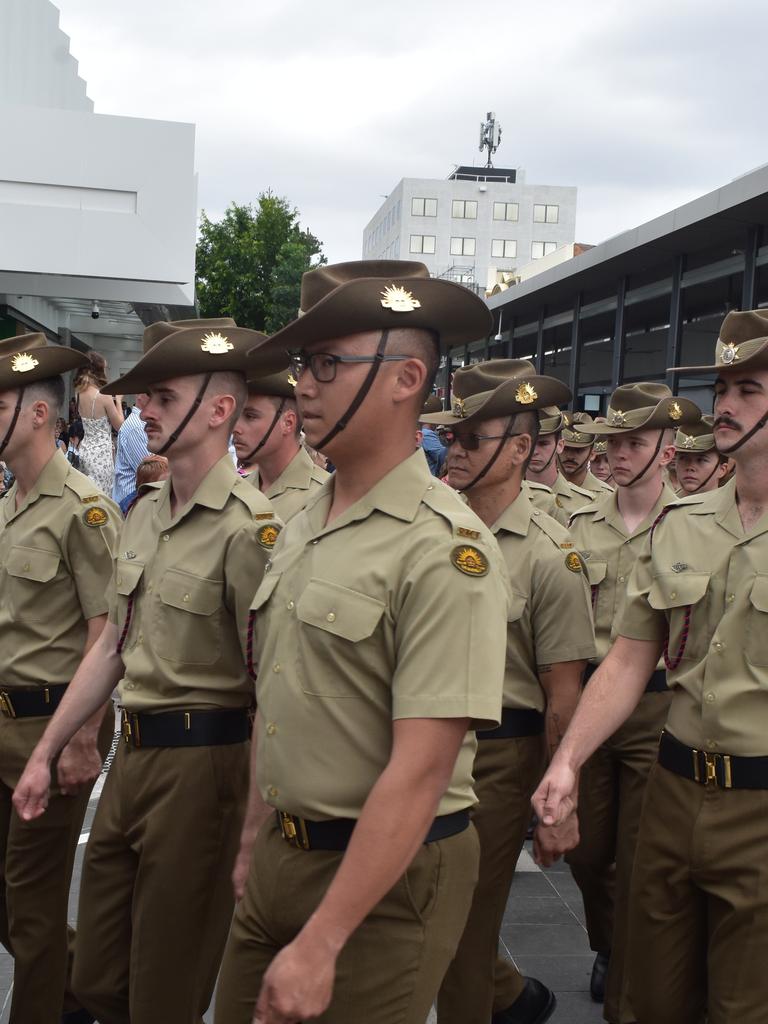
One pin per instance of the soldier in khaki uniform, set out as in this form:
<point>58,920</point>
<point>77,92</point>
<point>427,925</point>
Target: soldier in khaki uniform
<point>578,449</point>
<point>543,470</point>
<point>379,634</point>
<point>700,467</point>
<point>57,533</point>
<point>611,533</point>
<point>699,900</point>
<point>490,434</point>
<point>266,439</point>
<point>599,466</point>
<point>156,898</point>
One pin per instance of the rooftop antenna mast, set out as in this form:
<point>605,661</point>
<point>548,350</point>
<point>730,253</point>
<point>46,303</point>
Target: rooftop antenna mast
<point>490,136</point>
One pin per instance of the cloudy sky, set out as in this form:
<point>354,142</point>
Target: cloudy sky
<point>642,106</point>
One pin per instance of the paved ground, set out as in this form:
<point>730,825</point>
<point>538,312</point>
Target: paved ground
<point>543,932</point>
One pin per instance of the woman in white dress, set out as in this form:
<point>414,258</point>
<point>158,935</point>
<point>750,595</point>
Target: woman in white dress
<point>100,414</point>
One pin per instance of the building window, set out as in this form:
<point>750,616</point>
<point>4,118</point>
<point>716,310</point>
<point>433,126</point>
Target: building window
<point>505,211</point>
<point>423,243</point>
<point>423,207</point>
<point>464,208</point>
<point>504,248</point>
<point>545,214</point>
<point>539,249</point>
<point>462,247</point>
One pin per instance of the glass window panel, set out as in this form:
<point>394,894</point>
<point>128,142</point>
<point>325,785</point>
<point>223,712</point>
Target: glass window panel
<point>417,207</point>
<point>512,209</point>
<point>469,247</point>
<point>456,246</point>
<point>457,208</point>
<point>539,213</point>
<point>553,213</point>
<point>416,243</point>
<point>510,248</point>
<point>429,244</point>
<point>497,247</point>
<point>500,211</point>
<point>430,207</point>
<point>470,209</point>
<point>537,250</point>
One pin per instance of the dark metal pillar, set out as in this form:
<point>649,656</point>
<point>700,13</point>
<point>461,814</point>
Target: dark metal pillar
<point>750,266</point>
<point>511,342</point>
<point>447,379</point>
<point>675,336</point>
<point>575,365</point>
<point>619,335</point>
<point>540,344</point>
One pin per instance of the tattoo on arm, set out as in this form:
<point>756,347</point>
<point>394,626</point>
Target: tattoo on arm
<point>543,669</point>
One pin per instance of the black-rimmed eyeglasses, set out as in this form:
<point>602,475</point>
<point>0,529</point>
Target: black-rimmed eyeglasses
<point>322,365</point>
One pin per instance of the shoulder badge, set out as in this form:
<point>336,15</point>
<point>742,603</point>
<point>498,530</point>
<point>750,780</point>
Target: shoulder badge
<point>566,545</point>
<point>463,531</point>
<point>95,516</point>
<point>264,515</point>
<point>91,497</point>
<point>470,561</point>
<point>573,562</point>
<point>267,535</point>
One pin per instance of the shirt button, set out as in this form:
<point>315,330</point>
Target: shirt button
<point>276,667</point>
<point>271,729</point>
<point>119,580</point>
<point>622,578</point>
<point>731,598</point>
<point>272,791</point>
<point>711,744</point>
<point>431,487</point>
<point>140,638</point>
<point>267,566</point>
<point>718,646</point>
<point>130,686</point>
<point>673,594</point>
<point>185,598</point>
<point>331,617</point>
<point>25,567</point>
<point>290,606</point>
<point>316,540</point>
<point>149,588</point>
<point>710,698</point>
<point>536,512</point>
<point>166,536</point>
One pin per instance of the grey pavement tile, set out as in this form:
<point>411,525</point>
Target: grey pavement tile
<point>576,1008</point>
<point>535,884</point>
<point>563,973</point>
<point>541,939</point>
<point>529,910</point>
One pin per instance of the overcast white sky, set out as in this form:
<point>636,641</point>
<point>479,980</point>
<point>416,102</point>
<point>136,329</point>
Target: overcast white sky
<point>642,106</point>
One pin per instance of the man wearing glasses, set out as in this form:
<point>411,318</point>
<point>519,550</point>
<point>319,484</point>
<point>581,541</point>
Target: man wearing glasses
<point>490,433</point>
<point>379,636</point>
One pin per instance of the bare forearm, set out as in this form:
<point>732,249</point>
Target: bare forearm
<point>256,811</point>
<point>609,699</point>
<point>394,821</point>
<point>93,682</point>
<point>562,685</point>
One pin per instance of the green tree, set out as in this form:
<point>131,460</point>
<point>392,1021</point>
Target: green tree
<point>249,264</point>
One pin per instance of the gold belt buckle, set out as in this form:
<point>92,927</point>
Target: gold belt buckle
<point>130,729</point>
<point>293,830</point>
<point>710,769</point>
<point>6,704</point>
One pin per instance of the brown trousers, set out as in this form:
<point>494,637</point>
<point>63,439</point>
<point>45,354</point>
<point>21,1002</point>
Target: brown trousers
<point>156,893</point>
<point>699,905</point>
<point>391,968</point>
<point>506,773</point>
<point>611,789</point>
<point>36,860</point>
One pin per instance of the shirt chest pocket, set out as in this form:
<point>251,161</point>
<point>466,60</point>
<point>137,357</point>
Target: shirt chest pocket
<point>186,622</point>
<point>34,591</point>
<point>680,595</point>
<point>756,633</point>
<point>333,620</point>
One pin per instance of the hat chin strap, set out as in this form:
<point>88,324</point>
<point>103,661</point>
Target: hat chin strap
<point>251,455</point>
<point>548,463</point>
<point>649,463</point>
<point>14,421</point>
<point>472,483</point>
<point>734,447</point>
<point>357,401</point>
<point>705,482</point>
<point>562,468</point>
<point>195,406</point>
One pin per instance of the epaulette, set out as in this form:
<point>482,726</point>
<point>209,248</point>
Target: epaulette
<point>256,502</point>
<point>556,532</point>
<point>84,488</point>
<point>534,486</point>
<point>581,490</point>
<point>446,503</point>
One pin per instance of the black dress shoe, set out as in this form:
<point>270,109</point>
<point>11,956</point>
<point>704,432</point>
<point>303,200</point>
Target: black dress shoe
<point>534,1005</point>
<point>78,1017</point>
<point>597,981</point>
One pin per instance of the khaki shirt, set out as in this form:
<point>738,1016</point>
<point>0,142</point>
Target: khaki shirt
<point>550,618</point>
<point>570,497</point>
<point>180,588</point>
<point>396,609</point>
<point>600,534</point>
<point>594,484</point>
<point>702,560</point>
<point>543,499</point>
<point>300,479</point>
<point>55,565</point>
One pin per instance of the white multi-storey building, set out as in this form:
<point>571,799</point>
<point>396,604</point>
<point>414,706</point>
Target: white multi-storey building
<point>474,225</point>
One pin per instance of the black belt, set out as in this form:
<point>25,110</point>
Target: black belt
<point>725,771</point>
<point>37,702</point>
<point>186,728</point>
<point>336,833</point>
<point>656,684</point>
<point>515,722</point>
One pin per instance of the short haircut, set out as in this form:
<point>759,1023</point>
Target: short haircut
<point>526,423</point>
<point>289,405</point>
<point>150,469</point>
<point>50,390</point>
<point>230,382</point>
<point>422,345</point>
